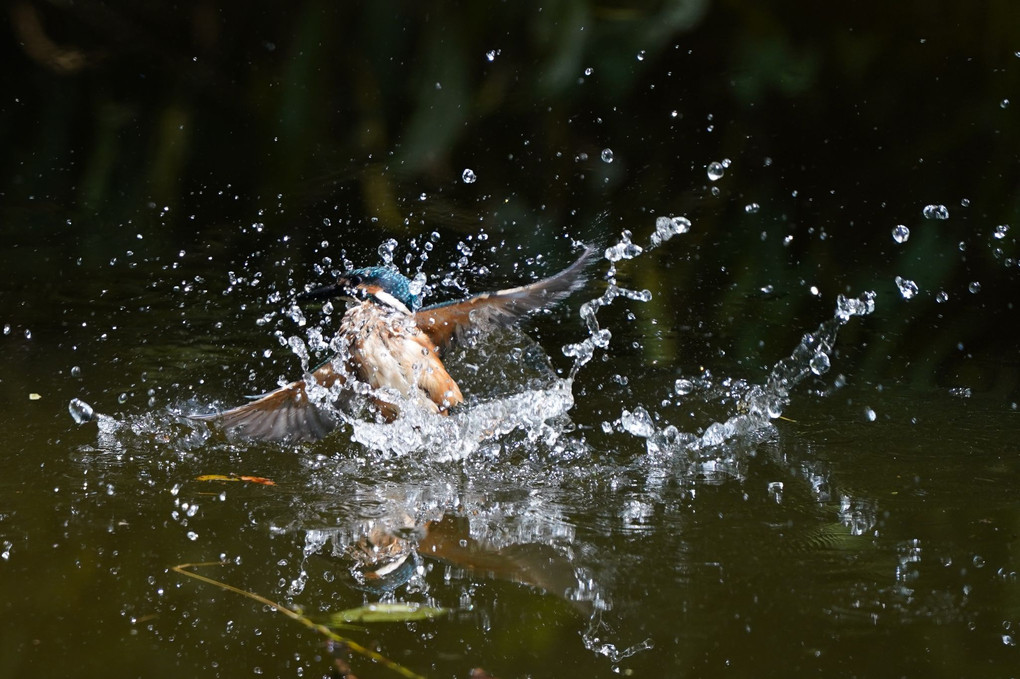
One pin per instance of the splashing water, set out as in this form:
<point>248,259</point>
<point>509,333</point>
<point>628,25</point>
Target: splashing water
<point>512,387</point>
<point>516,404</point>
<point>757,405</point>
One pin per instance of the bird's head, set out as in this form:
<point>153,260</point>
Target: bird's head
<point>376,283</point>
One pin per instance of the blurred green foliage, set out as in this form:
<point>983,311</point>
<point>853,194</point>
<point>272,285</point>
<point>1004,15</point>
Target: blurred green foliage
<point>840,121</point>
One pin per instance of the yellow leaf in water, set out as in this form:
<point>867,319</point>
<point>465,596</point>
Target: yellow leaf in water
<point>386,613</point>
<point>261,480</point>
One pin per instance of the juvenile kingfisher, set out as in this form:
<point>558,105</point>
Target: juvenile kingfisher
<point>392,345</point>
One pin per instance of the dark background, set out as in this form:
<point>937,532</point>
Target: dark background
<point>192,118</point>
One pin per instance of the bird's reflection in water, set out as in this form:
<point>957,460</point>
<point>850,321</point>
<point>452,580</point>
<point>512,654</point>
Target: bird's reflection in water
<point>387,552</point>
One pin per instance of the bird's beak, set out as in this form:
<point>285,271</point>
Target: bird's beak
<point>325,292</point>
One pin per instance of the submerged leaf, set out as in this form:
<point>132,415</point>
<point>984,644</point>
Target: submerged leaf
<point>386,613</point>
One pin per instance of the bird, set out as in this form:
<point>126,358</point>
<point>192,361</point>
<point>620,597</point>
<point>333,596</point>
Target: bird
<point>389,348</point>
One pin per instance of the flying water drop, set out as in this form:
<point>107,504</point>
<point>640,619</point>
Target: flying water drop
<point>939,212</point>
<point>638,423</point>
<point>468,175</point>
<point>667,227</point>
<point>900,233</point>
<point>81,411</point>
<point>819,363</point>
<point>607,155</point>
<point>907,287</point>
<point>847,307</point>
<point>715,171</point>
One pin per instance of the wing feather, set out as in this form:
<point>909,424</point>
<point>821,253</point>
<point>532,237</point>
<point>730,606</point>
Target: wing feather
<point>286,414</point>
<point>445,322</point>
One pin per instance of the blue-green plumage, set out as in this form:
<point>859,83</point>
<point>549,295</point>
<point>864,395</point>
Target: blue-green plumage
<point>358,282</point>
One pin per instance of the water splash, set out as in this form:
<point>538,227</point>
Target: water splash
<point>80,411</point>
<point>507,460</point>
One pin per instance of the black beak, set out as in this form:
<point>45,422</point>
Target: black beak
<point>325,292</point>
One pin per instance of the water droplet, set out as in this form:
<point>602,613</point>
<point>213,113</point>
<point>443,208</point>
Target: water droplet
<point>974,287</point>
<point>122,398</point>
<point>589,70</point>
<point>752,208</point>
<point>625,249</point>
<point>422,196</point>
<point>7,328</point>
<point>386,250</point>
<point>607,155</point>
<point>819,363</point>
<point>847,307</point>
<point>81,411</point>
<point>683,386</point>
<point>468,176</point>
<point>935,212</point>
<point>674,113</point>
<point>75,371</point>
<point>1000,231</point>
<point>28,334</point>
<point>637,423</point>
<point>490,55</point>
<point>715,171</point>
<point>870,414</point>
<point>667,227</point>
<point>907,288</point>
<point>900,233</point>
<point>1004,103</point>
<point>641,55</point>
<point>942,297</point>
<point>965,202</point>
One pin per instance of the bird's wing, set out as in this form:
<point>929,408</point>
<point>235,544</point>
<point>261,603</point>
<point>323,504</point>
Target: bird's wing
<point>445,322</point>
<point>286,414</point>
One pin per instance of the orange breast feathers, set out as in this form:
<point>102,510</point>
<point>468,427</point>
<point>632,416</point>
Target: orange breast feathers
<point>388,351</point>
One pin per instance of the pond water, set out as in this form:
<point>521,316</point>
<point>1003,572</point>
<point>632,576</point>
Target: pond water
<point>775,433</point>
<point>629,518</point>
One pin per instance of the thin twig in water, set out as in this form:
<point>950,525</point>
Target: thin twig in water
<point>294,615</point>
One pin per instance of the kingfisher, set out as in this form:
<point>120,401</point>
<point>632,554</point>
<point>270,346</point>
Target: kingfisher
<point>389,347</point>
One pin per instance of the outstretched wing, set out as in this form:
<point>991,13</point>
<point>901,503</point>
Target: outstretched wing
<point>447,321</point>
<point>286,414</point>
